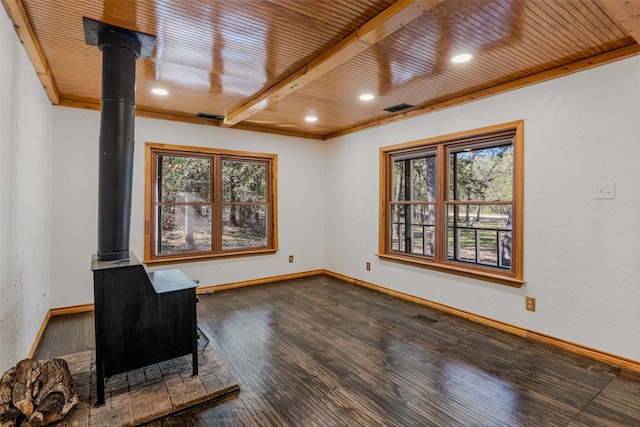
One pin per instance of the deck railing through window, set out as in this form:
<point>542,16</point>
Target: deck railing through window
<point>487,246</point>
<point>490,246</point>
<point>420,241</point>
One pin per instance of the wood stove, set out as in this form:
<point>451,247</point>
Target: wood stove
<point>140,318</point>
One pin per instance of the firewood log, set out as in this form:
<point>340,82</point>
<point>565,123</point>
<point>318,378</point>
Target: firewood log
<point>8,413</point>
<point>27,372</point>
<point>6,384</point>
<point>35,394</point>
<point>56,394</point>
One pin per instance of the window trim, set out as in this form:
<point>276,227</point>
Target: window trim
<point>439,262</point>
<point>152,149</point>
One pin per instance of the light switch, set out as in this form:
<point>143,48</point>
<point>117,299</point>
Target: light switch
<point>605,191</point>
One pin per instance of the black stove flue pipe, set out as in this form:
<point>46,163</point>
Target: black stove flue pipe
<point>120,48</point>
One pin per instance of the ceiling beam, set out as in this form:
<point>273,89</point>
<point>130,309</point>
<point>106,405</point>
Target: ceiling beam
<point>626,13</point>
<point>385,23</point>
<point>17,13</point>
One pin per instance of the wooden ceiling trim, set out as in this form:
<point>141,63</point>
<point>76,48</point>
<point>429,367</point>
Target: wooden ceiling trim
<point>18,15</point>
<point>585,64</point>
<point>188,119</point>
<point>383,24</point>
<point>626,13</point>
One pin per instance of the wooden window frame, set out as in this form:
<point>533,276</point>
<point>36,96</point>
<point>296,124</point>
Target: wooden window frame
<point>217,155</point>
<point>442,144</point>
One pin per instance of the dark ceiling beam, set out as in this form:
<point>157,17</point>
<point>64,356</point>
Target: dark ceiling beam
<point>21,23</point>
<point>385,23</point>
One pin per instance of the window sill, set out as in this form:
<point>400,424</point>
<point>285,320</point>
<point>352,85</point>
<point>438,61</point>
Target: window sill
<point>177,259</point>
<point>486,276</point>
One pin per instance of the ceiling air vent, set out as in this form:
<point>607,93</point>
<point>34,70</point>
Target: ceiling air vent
<point>209,116</point>
<point>398,107</point>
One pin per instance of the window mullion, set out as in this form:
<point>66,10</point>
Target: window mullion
<point>408,197</point>
<point>216,199</point>
<point>441,195</point>
<point>154,197</point>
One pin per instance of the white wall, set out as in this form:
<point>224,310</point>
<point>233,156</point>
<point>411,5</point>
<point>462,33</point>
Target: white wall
<point>25,199</point>
<point>582,256</point>
<point>300,201</point>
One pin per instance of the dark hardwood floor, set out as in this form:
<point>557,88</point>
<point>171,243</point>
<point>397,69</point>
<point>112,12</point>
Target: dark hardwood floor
<point>322,352</point>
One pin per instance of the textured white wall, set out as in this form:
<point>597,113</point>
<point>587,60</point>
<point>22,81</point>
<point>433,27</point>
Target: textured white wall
<point>300,201</point>
<point>582,256</point>
<point>25,199</point>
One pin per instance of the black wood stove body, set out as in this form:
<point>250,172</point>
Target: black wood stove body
<point>141,318</point>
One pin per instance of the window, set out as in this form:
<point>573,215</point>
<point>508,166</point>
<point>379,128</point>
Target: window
<point>454,203</point>
<point>205,203</point>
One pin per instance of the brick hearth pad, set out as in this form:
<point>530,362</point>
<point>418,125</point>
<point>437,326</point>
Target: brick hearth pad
<point>146,394</point>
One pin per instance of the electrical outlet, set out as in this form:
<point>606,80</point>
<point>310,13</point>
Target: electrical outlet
<point>531,304</point>
<point>290,258</point>
<point>368,266</point>
<point>605,191</point>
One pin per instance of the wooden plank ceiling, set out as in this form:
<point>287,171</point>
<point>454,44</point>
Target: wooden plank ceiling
<point>266,65</point>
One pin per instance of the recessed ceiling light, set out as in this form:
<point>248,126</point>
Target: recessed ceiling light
<point>158,91</point>
<point>311,118</point>
<point>463,57</point>
<point>366,97</point>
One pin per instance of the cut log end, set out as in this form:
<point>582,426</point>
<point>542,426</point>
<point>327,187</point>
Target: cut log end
<point>36,393</point>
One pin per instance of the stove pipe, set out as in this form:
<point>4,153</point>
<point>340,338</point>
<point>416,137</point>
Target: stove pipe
<point>120,48</point>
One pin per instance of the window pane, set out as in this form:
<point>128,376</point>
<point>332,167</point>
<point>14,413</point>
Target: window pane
<point>422,229</point>
<point>416,174</point>
<point>184,179</point>
<point>479,234</point>
<point>481,174</point>
<point>244,226</point>
<point>397,228</point>
<point>184,228</point>
<point>423,179</point>
<point>244,181</point>
<point>412,229</point>
<point>398,180</point>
